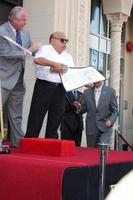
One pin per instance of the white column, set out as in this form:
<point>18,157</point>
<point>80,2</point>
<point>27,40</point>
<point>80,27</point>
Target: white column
<point>83,19</point>
<point>72,17</point>
<point>117,21</point>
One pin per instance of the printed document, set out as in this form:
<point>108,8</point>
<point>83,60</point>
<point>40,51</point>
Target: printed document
<point>77,77</point>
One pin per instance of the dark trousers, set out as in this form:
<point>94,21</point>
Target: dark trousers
<point>98,137</point>
<point>76,136</point>
<point>46,97</point>
<point>72,126</point>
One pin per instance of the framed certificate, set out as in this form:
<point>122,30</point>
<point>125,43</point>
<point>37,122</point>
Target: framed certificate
<point>77,77</point>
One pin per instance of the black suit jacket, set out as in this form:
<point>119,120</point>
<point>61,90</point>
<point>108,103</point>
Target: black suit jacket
<point>72,120</point>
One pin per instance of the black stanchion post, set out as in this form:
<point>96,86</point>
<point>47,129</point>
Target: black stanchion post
<point>102,166</point>
<point>116,140</point>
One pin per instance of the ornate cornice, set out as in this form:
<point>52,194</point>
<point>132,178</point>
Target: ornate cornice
<point>117,20</point>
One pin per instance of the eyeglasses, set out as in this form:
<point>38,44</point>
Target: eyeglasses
<point>62,40</point>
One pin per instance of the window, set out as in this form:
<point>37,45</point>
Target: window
<point>95,16</point>
<point>98,24</point>
<point>94,58</point>
<point>100,43</point>
<point>98,60</point>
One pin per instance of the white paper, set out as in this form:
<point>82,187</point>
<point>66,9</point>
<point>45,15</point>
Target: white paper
<point>13,42</point>
<point>78,77</point>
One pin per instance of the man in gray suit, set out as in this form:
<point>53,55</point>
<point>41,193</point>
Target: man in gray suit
<point>100,103</point>
<point>12,64</point>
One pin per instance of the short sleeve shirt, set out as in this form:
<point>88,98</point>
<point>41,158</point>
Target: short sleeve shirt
<point>48,52</point>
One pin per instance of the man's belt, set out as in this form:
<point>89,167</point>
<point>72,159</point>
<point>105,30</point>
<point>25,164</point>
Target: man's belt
<point>53,83</point>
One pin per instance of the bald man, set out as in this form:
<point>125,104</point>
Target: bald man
<point>49,94</point>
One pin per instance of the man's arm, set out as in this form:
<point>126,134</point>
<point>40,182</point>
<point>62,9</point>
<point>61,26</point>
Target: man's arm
<point>55,67</point>
<point>7,52</point>
<point>114,109</point>
<point>35,47</point>
<point>81,105</point>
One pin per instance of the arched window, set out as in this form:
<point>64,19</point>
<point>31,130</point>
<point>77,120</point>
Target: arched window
<point>98,23</point>
<point>99,40</point>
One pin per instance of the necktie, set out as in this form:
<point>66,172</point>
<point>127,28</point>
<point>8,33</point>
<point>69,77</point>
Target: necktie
<point>18,38</point>
<point>75,94</point>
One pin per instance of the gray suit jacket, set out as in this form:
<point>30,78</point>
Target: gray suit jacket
<point>107,109</point>
<point>12,58</point>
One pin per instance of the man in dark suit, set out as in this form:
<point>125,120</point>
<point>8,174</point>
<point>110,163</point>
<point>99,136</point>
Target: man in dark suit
<point>12,64</point>
<point>72,124</point>
<point>100,103</point>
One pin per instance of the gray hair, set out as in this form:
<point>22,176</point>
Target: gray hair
<point>15,12</point>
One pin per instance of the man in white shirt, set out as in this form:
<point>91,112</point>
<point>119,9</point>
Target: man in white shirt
<point>49,94</point>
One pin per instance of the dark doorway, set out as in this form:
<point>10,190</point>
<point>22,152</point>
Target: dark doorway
<point>6,6</point>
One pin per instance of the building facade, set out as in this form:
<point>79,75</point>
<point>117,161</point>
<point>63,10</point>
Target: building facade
<point>101,35</point>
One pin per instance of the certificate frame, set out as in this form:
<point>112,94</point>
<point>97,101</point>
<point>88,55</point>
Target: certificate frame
<point>77,77</point>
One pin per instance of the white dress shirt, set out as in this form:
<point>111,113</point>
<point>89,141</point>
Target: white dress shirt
<point>48,52</point>
<point>97,94</point>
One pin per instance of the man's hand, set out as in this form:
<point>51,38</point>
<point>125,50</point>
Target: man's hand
<point>54,67</point>
<point>59,68</point>
<point>77,104</point>
<point>35,47</point>
<point>89,85</point>
<point>108,123</point>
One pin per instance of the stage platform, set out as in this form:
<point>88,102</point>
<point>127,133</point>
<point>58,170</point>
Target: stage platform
<point>38,177</point>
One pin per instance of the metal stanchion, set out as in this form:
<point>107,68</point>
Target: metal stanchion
<point>102,167</point>
<point>117,132</point>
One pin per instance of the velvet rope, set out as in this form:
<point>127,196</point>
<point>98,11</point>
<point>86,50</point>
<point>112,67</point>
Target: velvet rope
<point>126,142</point>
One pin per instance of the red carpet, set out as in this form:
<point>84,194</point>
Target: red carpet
<point>47,147</point>
<point>25,176</point>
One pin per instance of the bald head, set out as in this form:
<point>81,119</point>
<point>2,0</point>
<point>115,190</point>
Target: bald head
<point>58,40</point>
<point>57,34</point>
